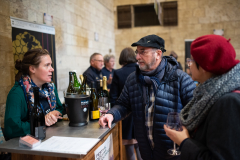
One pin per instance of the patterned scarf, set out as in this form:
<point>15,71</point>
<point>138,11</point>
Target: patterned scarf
<point>47,91</point>
<point>206,94</point>
<point>153,77</point>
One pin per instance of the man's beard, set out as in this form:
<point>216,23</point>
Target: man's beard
<point>147,66</point>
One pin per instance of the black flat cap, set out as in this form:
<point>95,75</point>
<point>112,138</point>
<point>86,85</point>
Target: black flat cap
<point>151,41</point>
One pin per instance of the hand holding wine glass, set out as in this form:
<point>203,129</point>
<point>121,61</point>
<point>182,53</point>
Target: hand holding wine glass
<point>173,122</point>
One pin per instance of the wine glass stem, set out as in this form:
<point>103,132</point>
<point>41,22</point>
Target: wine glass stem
<point>174,146</point>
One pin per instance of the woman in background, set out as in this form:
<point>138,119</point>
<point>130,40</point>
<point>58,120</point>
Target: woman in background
<point>173,54</point>
<point>128,61</point>
<point>212,117</point>
<point>35,70</point>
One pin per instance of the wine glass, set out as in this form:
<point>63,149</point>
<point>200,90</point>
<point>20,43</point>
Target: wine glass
<point>103,105</point>
<point>173,122</point>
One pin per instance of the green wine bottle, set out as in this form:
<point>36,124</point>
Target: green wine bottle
<point>76,82</point>
<point>71,90</point>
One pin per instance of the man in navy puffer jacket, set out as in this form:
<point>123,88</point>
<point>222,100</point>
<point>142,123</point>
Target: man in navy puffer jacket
<point>155,89</point>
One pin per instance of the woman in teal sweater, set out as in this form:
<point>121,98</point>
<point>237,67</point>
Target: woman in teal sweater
<point>34,70</point>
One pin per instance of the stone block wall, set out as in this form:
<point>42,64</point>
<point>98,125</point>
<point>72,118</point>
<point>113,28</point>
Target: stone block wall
<point>75,23</point>
<point>195,18</point>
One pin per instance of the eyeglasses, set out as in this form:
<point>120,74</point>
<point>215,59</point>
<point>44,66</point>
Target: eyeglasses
<point>142,52</point>
<point>189,61</point>
<point>98,60</point>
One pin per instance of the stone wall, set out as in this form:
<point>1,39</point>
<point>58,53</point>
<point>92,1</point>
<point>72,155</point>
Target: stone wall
<point>75,22</point>
<point>195,18</point>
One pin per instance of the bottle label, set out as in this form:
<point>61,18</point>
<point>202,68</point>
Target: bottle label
<point>40,132</point>
<point>84,104</point>
<point>95,114</point>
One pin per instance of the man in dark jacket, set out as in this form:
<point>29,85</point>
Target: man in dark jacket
<point>155,89</point>
<point>94,72</point>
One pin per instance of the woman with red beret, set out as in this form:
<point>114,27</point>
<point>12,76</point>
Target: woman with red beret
<point>211,119</point>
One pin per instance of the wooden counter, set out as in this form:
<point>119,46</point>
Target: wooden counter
<point>62,129</point>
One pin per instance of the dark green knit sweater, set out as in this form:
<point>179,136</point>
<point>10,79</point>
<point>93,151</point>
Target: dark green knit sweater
<point>16,122</point>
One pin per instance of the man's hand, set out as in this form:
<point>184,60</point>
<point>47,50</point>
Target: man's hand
<point>109,81</point>
<point>106,120</point>
<point>52,117</point>
<point>177,136</point>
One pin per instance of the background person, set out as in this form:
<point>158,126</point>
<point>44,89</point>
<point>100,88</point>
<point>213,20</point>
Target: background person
<point>94,72</point>
<point>35,70</point>
<point>156,88</point>
<point>128,61</point>
<point>109,62</point>
<point>173,54</point>
<point>212,116</point>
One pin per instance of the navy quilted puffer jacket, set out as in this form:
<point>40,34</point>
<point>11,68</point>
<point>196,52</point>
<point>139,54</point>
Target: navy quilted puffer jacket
<point>173,94</point>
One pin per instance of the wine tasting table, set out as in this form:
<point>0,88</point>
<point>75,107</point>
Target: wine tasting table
<point>62,129</point>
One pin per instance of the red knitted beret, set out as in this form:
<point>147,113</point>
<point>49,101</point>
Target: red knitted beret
<point>214,53</point>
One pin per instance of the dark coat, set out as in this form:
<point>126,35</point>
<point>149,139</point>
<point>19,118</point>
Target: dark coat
<point>92,75</point>
<point>175,91</point>
<point>119,78</point>
<point>218,137</point>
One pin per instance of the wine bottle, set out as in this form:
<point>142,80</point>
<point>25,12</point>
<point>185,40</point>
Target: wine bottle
<point>101,93</point>
<point>71,90</point>
<point>81,78</point>
<point>98,86</point>
<point>102,100</point>
<point>94,113</point>
<point>105,86</point>
<point>82,90</point>
<point>87,87</point>
<point>76,82</point>
<point>37,118</point>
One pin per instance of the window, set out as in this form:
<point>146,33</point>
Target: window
<point>170,14</point>
<point>124,16</point>
<point>145,15</point>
